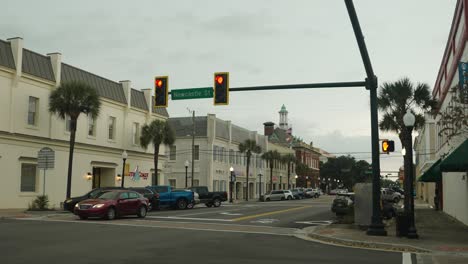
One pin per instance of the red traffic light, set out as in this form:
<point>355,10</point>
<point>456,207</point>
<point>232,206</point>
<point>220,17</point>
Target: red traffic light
<point>219,79</point>
<point>159,83</point>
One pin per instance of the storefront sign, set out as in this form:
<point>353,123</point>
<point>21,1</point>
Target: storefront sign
<point>463,81</point>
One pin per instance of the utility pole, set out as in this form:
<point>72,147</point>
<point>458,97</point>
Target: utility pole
<point>193,143</point>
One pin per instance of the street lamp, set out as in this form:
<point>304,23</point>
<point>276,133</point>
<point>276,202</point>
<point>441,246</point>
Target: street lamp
<point>295,177</point>
<point>409,119</point>
<point>187,163</point>
<point>281,182</point>
<point>124,158</point>
<point>260,185</point>
<point>231,183</point>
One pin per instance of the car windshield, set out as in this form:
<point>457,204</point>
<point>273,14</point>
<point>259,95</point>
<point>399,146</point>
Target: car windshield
<point>97,193</point>
<point>108,195</point>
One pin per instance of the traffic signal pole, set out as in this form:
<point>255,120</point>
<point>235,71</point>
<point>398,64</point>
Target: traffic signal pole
<point>376,228</point>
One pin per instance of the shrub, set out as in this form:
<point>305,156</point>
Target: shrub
<point>40,203</point>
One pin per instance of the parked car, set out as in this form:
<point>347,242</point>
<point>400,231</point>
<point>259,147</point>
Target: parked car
<point>112,204</point>
<point>343,203</point>
<point>210,198</point>
<point>389,195</point>
<point>279,195</point>
<point>196,198</point>
<point>168,197</point>
<point>152,196</point>
<point>69,204</point>
<point>297,194</point>
<point>398,190</point>
<point>312,193</point>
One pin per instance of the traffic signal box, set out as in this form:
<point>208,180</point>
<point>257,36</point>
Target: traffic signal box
<point>161,85</point>
<point>221,88</point>
<point>388,146</point>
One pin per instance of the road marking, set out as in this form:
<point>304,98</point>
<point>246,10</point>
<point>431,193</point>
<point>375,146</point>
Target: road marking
<point>269,213</point>
<point>406,258</point>
<point>315,222</point>
<point>228,213</point>
<point>265,221</point>
<point>188,218</point>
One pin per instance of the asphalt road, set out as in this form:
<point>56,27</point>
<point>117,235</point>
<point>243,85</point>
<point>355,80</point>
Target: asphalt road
<point>44,242</point>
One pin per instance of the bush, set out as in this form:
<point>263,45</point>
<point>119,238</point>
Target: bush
<point>40,203</point>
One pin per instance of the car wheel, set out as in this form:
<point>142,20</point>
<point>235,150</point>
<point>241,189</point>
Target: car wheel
<point>110,215</point>
<point>217,202</point>
<point>282,198</point>
<point>83,217</point>
<point>208,205</point>
<point>142,212</point>
<point>396,199</point>
<point>289,198</point>
<point>181,204</point>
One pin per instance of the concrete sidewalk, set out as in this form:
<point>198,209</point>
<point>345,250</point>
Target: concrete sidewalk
<point>24,213</point>
<point>439,235</point>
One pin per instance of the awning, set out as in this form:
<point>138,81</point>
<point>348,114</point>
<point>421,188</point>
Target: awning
<point>433,174</point>
<point>457,160</point>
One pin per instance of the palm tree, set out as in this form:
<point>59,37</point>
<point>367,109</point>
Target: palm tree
<point>248,147</point>
<point>271,156</point>
<point>396,98</point>
<point>289,159</point>
<point>71,99</point>
<point>157,132</point>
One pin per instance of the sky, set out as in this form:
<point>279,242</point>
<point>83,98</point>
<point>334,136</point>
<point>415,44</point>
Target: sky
<point>258,43</point>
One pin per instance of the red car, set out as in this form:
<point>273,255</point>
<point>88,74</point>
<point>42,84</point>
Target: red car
<point>112,204</point>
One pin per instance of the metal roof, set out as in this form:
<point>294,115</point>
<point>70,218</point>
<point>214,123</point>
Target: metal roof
<point>239,134</point>
<point>105,88</point>
<point>183,126</point>
<point>6,55</point>
<point>37,65</point>
<point>222,129</point>
<point>138,100</point>
<point>159,111</point>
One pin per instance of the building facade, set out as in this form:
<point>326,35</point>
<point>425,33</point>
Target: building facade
<point>450,170</point>
<point>216,151</point>
<point>26,126</point>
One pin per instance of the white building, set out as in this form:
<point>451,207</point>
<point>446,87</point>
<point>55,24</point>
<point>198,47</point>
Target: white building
<point>451,143</point>
<point>216,151</point>
<point>26,126</point>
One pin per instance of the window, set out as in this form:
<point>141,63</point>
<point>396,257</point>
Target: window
<point>111,128</point>
<point>215,152</point>
<point>136,133</point>
<point>172,152</point>
<point>196,182</point>
<point>223,186</point>
<point>221,154</point>
<point>123,195</point>
<point>28,177</point>
<point>172,183</point>
<point>231,156</point>
<point>215,186</point>
<point>91,126</point>
<point>67,123</point>
<point>196,154</point>
<point>32,110</point>
<point>133,195</point>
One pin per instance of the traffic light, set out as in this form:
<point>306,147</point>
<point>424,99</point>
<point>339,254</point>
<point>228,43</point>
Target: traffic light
<point>161,85</point>
<point>221,88</point>
<point>388,146</point>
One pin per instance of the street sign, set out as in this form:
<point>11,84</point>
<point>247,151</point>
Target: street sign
<point>463,81</point>
<point>46,158</point>
<point>193,93</point>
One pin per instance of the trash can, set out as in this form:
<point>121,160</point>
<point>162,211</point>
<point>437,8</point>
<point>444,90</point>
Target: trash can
<point>402,224</point>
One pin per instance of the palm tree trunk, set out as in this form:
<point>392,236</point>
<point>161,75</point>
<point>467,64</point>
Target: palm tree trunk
<point>155,159</point>
<point>70,157</point>
<point>247,169</point>
<point>289,167</point>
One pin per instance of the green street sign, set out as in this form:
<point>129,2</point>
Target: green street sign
<point>192,93</point>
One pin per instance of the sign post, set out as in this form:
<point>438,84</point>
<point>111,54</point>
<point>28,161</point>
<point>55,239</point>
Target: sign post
<point>45,161</point>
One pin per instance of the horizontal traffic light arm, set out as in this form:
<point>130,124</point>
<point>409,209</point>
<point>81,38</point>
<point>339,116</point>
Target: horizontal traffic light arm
<point>297,86</point>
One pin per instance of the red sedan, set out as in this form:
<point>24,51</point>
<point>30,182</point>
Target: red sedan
<point>112,204</point>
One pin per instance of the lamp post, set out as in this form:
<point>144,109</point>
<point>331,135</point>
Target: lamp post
<point>295,177</point>
<point>231,183</point>
<point>260,185</point>
<point>409,120</point>
<point>187,163</point>
<point>280,187</point>
<point>124,158</point>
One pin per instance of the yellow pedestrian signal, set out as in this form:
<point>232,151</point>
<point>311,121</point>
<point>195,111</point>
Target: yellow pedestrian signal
<point>388,146</point>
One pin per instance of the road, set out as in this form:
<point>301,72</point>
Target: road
<point>239,233</point>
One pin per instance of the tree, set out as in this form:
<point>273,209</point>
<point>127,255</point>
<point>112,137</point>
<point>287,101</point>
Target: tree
<point>289,159</point>
<point>157,132</point>
<point>71,99</point>
<point>271,157</point>
<point>248,147</point>
<point>346,169</point>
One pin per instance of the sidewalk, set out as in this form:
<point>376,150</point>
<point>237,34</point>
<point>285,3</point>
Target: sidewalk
<point>438,234</point>
<point>24,213</point>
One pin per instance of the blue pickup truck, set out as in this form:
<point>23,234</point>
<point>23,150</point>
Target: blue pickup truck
<point>171,198</point>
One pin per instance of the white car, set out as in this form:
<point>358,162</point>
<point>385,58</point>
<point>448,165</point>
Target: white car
<point>312,193</point>
<point>279,195</point>
<point>389,195</point>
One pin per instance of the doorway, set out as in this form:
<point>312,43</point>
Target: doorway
<point>103,177</point>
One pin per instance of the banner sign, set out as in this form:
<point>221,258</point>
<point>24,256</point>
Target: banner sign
<point>463,81</point>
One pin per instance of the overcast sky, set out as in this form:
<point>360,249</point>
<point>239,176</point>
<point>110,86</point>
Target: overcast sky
<point>259,43</point>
